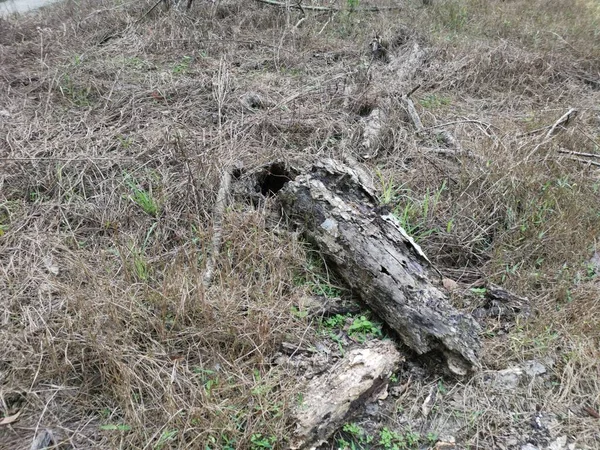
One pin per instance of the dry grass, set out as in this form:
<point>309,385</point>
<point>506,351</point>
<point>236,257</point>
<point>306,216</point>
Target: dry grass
<point>114,134</point>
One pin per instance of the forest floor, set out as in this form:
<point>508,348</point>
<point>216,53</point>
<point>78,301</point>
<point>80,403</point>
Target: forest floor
<point>115,129</point>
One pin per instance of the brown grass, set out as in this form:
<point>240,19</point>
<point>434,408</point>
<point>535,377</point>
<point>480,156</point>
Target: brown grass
<point>114,134</point>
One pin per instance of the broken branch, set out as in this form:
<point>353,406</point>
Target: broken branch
<point>563,121</point>
<point>220,204</point>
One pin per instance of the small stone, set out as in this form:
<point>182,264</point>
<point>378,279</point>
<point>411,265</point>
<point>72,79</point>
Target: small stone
<point>507,379</point>
<point>447,438</point>
<point>533,368</point>
<point>528,447</point>
<point>559,444</point>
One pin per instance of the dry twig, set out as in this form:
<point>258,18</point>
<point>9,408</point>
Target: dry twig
<point>562,121</point>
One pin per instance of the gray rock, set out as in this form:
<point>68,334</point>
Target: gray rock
<point>533,368</point>
<point>529,447</point>
<point>559,444</point>
<point>507,379</point>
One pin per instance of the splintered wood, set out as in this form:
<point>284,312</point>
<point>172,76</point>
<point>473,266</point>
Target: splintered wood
<point>333,398</point>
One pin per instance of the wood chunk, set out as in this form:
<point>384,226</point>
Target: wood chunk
<point>369,250</point>
<point>336,396</point>
<point>43,440</point>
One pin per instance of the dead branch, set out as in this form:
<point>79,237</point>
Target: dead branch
<point>584,161</point>
<point>412,113</point>
<point>327,8</point>
<point>372,125</point>
<point>444,134</point>
<point>151,9</point>
<point>220,204</point>
<point>562,121</point>
<point>571,152</point>
<point>457,122</point>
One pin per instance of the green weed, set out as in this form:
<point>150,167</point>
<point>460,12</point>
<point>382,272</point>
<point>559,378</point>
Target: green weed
<point>453,15</point>
<point>143,198</point>
<point>393,440</point>
<point>125,141</point>
<point>415,214</point>
<point>166,437</point>
<point>433,101</point>
<point>78,95</point>
<point>182,66</point>
<point>354,437</point>
<point>317,280</point>
<point>362,328</point>
<point>258,441</point>
<point>352,4</point>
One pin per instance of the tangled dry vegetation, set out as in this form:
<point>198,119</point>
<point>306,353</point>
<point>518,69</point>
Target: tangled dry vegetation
<point>115,129</point>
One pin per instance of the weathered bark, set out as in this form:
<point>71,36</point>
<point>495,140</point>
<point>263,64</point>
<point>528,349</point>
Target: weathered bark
<point>333,398</point>
<point>43,440</point>
<point>369,250</point>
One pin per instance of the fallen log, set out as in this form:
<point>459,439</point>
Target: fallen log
<point>334,397</point>
<point>368,249</point>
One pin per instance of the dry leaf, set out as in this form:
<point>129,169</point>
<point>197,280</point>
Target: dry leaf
<point>10,419</point>
<point>449,284</point>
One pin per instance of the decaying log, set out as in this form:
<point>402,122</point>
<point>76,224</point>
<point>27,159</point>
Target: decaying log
<point>369,250</point>
<point>333,398</point>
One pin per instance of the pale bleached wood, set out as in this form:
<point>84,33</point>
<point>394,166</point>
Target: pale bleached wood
<point>333,398</point>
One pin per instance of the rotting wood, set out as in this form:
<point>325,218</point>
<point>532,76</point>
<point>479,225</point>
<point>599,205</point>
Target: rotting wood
<point>502,303</point>
<point>220,204</point>
<point>369,250</point>
<point>403,67</point>
<point>300,6</point>
<point>334,397</point>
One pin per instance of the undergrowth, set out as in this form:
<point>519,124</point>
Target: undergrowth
<point>115,128</point>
